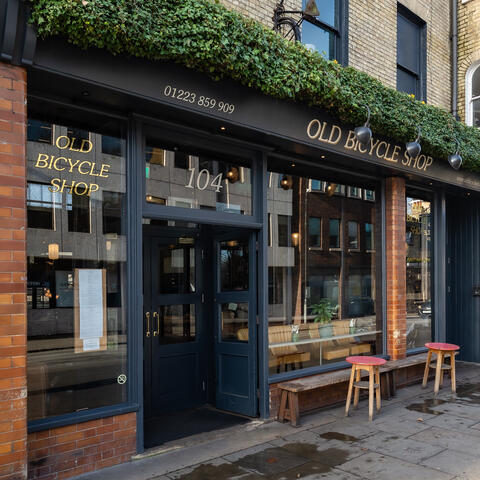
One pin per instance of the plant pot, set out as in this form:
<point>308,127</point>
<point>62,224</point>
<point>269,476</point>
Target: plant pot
<point>326,331</point>
<point>295,337</point>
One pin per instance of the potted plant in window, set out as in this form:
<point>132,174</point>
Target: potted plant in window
<point>323,311</point>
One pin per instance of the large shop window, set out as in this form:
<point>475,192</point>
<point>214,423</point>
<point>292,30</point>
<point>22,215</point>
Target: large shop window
<point>76,272</point>
<point>181,179</point>
<point>323,33</point>
<point>324,273</point>
<point>419,272</point>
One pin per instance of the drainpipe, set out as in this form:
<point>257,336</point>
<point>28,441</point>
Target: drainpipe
<point>454,60</point>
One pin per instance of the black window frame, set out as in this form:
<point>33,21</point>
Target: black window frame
<point>340,29</point>
<point>420,76</point>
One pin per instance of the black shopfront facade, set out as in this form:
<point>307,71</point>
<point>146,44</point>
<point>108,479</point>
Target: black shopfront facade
<point>226,240</point>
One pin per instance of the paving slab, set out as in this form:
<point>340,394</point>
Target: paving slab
<point>450,439</point>
<point>314,471</point>
<point>403,448</point>
<point>461,464</point>
<point>375,466</point>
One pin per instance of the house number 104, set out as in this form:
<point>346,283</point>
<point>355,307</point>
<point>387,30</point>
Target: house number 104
<point>202,180</point>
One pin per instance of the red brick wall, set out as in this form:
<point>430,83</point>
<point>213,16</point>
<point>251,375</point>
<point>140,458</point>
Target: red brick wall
<point>13,388</point>
<point>396,251</point>
<point>65,452</point>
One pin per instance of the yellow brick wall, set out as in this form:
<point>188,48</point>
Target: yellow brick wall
<point>372,42</point>
<point>468,45</point>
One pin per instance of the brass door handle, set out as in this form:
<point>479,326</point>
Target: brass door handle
<point>157,331</point>
<point>147,316</point>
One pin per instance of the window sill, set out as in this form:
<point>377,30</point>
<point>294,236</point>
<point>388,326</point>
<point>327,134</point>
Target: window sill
<point>306,372</point>
<point>80,417</point>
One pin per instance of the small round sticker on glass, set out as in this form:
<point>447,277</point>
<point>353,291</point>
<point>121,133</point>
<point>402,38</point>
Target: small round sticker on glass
<point>122,378</point>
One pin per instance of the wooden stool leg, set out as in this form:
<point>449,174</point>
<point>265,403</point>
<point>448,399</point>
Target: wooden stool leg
<point>427,367</point>
<point>452,371</point>
<point>438,371</point>
<point>293,403</point>
<point>377,380</point>
<point>357,390</point>
<point>283,406</point>
<point>441,377</point>
<point>350,388</point>
<point>370,393</point>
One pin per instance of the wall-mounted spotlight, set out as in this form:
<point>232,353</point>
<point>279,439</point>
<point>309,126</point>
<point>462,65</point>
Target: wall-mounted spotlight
<point>233,175</point>
<point>286,182</point>
<point>364,134</point>
<point>414,148</point>
<point>455,160</point>
<point>330,190</point>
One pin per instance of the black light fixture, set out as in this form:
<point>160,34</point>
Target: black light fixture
<point>286,182</point>
<point>414,148</point>
<point>330,190</point>
<point>455,160</point>
<point>233,175</point>
<point>311,9</point>
<point>364,134</point>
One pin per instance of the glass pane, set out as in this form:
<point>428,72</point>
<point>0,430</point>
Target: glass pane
<point>323,305</point>
<point>353,235</point>
<point>283,230</point>
<point>177,266</point>
<point>175,324</point>
<point>476,113</point>
<point>179,179</point>
<point>76,271</point>
<point>39,131</point>
<point>328,11</point>
<point>407,82</point>
<point>369,242</point>
<point>419,286</point>
<point>334,241</point>
<point>234,265</point>
<point>476,83</point>
<point>234,322</point>
<point>314,230</point>
<point>319,40</point>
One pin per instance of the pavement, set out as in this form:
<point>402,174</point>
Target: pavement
<point>414,437</point>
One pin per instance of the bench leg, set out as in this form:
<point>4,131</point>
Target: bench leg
<point>452,371</point>
<point>377,379</point>
<point>393,377</point>
<point>356,395</point>
<point>283,406</point>
<point>385,385</point>
<point>293,405</point>
<point>427,367</point>
<point>350,388</point>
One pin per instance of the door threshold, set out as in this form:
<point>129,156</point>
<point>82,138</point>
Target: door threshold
<point>202,437</point>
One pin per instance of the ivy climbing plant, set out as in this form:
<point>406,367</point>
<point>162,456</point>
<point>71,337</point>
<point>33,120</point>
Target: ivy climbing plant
<point>205,36</point>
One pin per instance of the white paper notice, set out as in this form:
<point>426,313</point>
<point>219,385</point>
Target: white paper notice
<point>91,344</point>
<point>90,302</point>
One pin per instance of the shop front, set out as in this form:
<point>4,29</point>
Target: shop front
<point>193,243</point>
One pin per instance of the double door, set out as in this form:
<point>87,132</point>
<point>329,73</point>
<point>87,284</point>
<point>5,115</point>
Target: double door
<point>199,328</point>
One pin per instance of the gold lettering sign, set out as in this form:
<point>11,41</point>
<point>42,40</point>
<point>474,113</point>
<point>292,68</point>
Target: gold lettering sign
<point>72,165</point>
<point>379,149</point>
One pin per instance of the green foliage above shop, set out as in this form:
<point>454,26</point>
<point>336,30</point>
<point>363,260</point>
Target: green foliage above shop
<point>207,37</point>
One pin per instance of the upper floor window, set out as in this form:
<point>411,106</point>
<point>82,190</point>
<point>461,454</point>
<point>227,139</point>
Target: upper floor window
<point>472,95</point>
<point>324,32</point>
<point>411,53</point>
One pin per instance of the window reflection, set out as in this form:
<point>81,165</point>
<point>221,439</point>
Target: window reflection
<point>324,303</point>
<point>180,179</point>
<point>419,287</point>
<point>76,269</point>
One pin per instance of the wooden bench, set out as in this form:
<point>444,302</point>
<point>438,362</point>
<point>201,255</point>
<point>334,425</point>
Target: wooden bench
<point>290,390</point>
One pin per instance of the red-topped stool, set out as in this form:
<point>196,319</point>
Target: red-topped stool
<point>440,349</point>
<point>372,365</point>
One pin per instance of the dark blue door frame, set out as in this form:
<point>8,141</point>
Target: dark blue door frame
<point>138,209</point>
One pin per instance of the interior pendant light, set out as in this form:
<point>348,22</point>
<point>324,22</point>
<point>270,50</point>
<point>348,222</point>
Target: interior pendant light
<point>330,190</point>
<point>414,148</point>
<point>456,159</point>
<point>364,134</point>
<point>233,175</point>
<point>286,182</point>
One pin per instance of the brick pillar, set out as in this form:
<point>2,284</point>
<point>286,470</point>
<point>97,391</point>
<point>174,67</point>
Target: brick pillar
<point>396,251</point>
<point>13,224</point>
